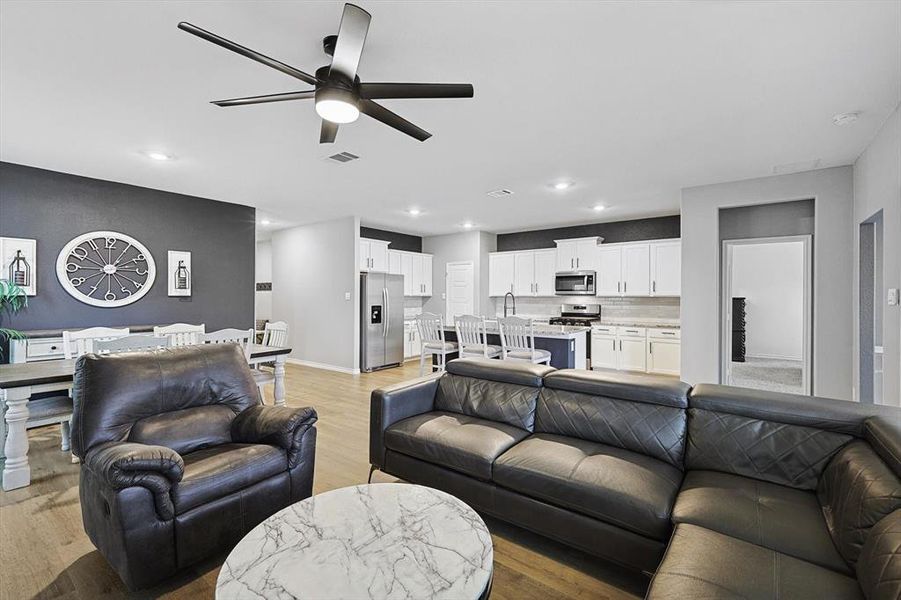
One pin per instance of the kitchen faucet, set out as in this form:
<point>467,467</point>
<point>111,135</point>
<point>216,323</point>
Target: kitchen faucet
<point>505,303</point>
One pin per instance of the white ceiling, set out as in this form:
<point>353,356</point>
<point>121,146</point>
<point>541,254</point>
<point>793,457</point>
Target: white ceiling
<point>631,101</point>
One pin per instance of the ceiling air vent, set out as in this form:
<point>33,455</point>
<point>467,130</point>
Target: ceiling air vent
<point>343,157</point>
<point>500,193</point>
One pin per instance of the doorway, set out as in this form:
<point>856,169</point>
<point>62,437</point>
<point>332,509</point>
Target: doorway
<point>870,310</point>
<point>766,312</point>
<point>460,287</point>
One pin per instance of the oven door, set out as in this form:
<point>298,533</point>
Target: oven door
<point>574,283</point>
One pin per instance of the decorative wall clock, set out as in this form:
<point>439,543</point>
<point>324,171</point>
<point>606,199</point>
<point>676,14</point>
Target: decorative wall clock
<point>105,268</point>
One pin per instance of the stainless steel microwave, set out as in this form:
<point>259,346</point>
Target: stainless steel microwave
<point>575,283</point>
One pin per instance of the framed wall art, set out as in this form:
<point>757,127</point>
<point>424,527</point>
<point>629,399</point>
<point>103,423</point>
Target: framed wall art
<point>179,275</point>
<point>18,263</point>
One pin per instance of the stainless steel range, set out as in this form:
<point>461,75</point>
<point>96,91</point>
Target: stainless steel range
<point>578,314</point>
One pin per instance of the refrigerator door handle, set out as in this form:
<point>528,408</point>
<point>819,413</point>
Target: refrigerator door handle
<point>387,313</point>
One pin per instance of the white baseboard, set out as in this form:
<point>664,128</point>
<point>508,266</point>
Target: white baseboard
<point>324,366</point>
<point>774,357</point>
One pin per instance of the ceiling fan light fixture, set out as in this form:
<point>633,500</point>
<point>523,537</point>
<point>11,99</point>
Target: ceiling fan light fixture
<point>337,105</point>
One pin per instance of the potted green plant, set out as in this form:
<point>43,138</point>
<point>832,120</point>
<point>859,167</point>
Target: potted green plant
<point>12,300</point>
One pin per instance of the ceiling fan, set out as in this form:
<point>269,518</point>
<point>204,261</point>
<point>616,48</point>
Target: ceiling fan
<point>339,94</point>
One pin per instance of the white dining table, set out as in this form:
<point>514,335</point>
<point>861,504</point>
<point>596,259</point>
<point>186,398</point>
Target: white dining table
<point>19,381</point>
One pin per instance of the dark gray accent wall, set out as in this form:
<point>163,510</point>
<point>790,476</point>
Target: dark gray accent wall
<point>399,241</point>
<point>55,207</point>
<point>656,228</point>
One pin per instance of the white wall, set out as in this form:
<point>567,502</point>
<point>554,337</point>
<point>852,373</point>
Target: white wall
<point>313,267</point>
<point>877,186</point>
<point>771,277</point>
<point>831,190</point>
<point>263,300</point>
<point>472,246</point>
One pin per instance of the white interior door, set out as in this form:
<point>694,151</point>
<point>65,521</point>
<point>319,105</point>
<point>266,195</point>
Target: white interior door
<point>460,290</point>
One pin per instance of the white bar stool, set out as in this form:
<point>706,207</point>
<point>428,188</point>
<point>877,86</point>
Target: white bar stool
<point>431,332</point>
<point>518,341</point>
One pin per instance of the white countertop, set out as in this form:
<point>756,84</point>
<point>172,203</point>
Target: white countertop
<point>632,322</point>
<point>541,330</point>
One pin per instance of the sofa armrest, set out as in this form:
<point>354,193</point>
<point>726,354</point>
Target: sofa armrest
<point>391,404</point>
<point>120,465</point>
<point>275,425</point>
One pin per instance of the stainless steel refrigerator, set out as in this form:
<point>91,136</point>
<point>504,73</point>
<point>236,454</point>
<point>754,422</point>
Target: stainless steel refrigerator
<point>382,320</point>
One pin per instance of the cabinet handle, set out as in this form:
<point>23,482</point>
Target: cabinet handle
<point>654,286</point>
<point>620,345</point>
<point>571,263</point>
<point>625,286</point>
<point>650,347</point>
<point>667,333</point>
<point>577,263</point>
<point>614,345</point>
<point>618,284</point>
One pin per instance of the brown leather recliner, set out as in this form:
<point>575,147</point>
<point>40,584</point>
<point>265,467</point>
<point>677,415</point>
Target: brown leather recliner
<point>179,459</point>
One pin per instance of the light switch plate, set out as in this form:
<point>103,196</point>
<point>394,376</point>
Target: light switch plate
<point>893,296</point>
<point>443,296</point>
<point>347,295</point>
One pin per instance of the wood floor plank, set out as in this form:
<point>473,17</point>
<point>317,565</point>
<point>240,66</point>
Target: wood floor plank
<point>45,553</point>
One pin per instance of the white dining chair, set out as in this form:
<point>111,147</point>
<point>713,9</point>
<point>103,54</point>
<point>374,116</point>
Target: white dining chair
<point>275,334</point>
<point>131,343</point>
<point>472,337</point>
<point>518,341</point>
<point>242,337</point>
<point>181,334</point>
<point>431,332</point>
<point>76,343</point>
<point>58,409</point>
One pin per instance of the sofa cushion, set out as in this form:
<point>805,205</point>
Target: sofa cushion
<point>648,389</point>
<point>218,471</point>
<point>700,563</point>
<point>654,429</point>
<point>509,403</point>
<point>792,455</point>
<point>856,490</point>
<point>879,563</point>
<point>185,430</point>
<point>773,516</point>
<point>459,442</point>
<point>623,488</point>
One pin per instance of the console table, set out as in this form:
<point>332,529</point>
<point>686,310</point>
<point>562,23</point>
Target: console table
<point>19,381</point>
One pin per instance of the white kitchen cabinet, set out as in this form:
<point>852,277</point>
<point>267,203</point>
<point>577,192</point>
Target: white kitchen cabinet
<point>666,268</point>
<point>636,270</point>
<point>425,274</point>
<point>610,272</point>
<point>545,272</point>
<point>632,349</point>
<point>373,255</point>
<point>524,273</point>
<point>664,357</point>
<point>395,264</point>
<point>501,272</point>
<point>579,254</point>
<point>604,354</point>
<point>412,342</point>
<point>416,269</point>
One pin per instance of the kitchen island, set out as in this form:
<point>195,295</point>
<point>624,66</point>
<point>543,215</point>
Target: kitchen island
<point>567,344</point>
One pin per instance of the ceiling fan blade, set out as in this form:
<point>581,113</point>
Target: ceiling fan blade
<point>247,52</point>
<point>328,132</point>
<point>264,99</point>
<point>380,113</point>
<point>374,91</point>
<point>349,46</point>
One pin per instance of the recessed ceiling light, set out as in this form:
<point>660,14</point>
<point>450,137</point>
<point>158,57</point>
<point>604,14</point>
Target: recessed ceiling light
<point>562,185</point>
<point>265,222</point>
<point>413,212</point>
<point>843,119</point>
<point>156,155</point>
<point>468,225</point>
<point>598,207</point>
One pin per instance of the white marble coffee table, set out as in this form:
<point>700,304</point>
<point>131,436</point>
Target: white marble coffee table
<point>383,540</point>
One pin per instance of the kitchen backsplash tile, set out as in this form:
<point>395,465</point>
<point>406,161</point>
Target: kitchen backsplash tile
<point>611,307</point>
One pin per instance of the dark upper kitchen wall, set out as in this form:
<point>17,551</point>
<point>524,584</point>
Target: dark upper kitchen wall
<point>655,228</point>
<point>55,207</point>
<point>399,241</point>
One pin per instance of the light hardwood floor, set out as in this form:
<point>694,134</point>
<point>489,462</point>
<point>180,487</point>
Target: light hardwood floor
<point>45,553</point>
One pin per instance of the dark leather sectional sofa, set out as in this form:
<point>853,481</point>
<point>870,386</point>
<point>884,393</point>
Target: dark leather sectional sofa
<point>178,458</point>
<point>719,492</point>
